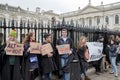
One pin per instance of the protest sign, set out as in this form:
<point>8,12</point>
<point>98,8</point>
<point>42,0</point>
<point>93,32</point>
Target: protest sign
<point>35,48</point>
<point>14,49</point>
<point>46,48</point>
<point>63,49</point>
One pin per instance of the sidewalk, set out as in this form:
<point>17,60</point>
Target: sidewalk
<point>102,76</point>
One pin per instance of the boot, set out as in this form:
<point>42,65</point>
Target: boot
<point>87,78</point>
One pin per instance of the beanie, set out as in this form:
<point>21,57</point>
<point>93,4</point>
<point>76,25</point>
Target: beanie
<point>13,33</point>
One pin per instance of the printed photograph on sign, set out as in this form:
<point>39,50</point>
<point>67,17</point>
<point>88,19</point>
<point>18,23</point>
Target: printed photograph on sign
<point>63,49</point>
<point>46,48</point>
<point>14,49</point>
<point>35,48</point>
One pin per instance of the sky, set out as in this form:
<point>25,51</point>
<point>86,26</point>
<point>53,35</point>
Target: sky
<point>58,6</point>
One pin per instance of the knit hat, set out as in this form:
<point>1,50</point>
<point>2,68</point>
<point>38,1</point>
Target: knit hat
<point>13,33</point>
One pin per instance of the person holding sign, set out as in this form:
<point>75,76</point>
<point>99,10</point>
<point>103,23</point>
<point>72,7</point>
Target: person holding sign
<point>83,55</point>
<point>47,65</point>
<point>2,52</point>
<point>11,68</point>
<point>65,56</point>
<point>30,60</point>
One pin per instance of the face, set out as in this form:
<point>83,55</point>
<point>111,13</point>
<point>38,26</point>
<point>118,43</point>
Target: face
<point>11,38</point>
<point>112,42</point>
<point>83,41</point>
<point>102,39</point>
<point>33,37</point>
<point>48,39</point>
<point>64,34</point>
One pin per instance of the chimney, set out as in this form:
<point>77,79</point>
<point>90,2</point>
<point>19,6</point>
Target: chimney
<point>27,9</point>
<point>102,3</point>
<point>38,10</point>
<point>78,8</point>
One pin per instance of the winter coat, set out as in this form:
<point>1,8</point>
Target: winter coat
<point>27,65</point>
<point>47,64</point>
<point>6,71</point>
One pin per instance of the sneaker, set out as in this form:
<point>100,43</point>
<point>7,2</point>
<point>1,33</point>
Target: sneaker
<point>87,78</point>
<point>97,73</point>
<point>111,72</point>
<point>116,75</point>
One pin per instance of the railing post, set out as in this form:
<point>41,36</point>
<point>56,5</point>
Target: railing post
<point>4,29</point>
<point>28,26</point>
<point>35,28</point>
<point>21,27</point>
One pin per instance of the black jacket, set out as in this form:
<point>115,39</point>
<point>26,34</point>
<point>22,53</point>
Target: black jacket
<point>6,68</point>
<point>26,65</point>
<point>68,41</point>
<point>2,52</point>
<point>46,64</point>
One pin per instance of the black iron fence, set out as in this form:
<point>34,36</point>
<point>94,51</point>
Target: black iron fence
<point>74,31</point>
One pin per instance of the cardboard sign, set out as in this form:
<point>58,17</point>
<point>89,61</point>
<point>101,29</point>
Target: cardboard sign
<point>46,48</point>
<point>14,49</point>
<point>35,48</point>
<point>63,49</point>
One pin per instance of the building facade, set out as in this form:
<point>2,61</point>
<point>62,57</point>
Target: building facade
<point>102,15</point>
<point>107,16</point>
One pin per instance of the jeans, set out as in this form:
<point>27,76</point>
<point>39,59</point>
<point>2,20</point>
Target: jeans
<point>113,63</point>
<point>47,76</point>
<point>66,75</point>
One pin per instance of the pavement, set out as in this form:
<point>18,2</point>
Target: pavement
<point>105,75</point>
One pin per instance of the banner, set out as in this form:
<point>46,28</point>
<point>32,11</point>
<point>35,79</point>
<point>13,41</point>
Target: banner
<point>46,48</point>
<point>95,50</point>
<point>63,49</point>
<point>35,48</point>
<point>14,49</point>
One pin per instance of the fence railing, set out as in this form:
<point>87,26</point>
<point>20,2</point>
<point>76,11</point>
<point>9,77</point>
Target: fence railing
<point>74,31</point>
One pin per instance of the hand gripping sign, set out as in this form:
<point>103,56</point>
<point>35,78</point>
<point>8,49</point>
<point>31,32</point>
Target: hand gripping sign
<point>63,49</point>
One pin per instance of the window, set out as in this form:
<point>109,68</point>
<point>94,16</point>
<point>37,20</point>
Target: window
<point>98,20</point>
<point>90,21</point>
<point>83,21</point>
<point>107,20</point>
<point>116,19</point>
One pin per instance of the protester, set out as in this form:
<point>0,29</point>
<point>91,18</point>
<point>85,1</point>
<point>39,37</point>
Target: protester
<point>47,63</point>
<point>82,51</point>
<point>65,56</point>
<point>11,68</point>
<point>112,55</point>
<point>2,52</point>
<point>117,42</point>
<point>30,61</point>
<point>97,64</point>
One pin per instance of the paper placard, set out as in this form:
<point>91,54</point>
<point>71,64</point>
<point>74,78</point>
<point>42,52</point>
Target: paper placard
<point>63,49</point>
<point>35,48</point>
<point>14,49</point>
<point>46,48</point>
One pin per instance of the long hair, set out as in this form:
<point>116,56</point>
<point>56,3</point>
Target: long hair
<point>27,37</point>
<point>80,44</point>
<point>1,38</point>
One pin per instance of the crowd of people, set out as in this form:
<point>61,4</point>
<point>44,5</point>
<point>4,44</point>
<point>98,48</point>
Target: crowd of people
<point>28,66</point>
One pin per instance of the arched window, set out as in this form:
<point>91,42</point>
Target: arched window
<point>107,20</point>
<point>116,19</point>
